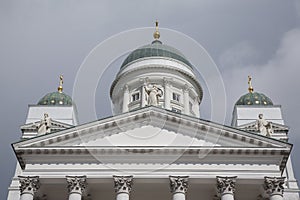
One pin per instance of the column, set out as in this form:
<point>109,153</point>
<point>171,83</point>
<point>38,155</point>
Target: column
<point>126,99</point>
<point>143,92</point>
<point>76,186</point>
<point>123,186</point>
<point>167,94</point>
<point>226,187</point>
<point>186,99</point>
<point>178,186</point>
<point>274,187</point>
<point>28,187</point>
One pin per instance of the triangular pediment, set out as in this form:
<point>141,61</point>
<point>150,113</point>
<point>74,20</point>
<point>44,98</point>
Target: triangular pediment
<point>151,129</point>
<point>55,126</point>
<point>253,128</point>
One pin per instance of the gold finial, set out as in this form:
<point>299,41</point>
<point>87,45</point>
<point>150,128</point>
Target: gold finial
<point>61,81</point>
<point>156,34</point>
<point>250,89</point>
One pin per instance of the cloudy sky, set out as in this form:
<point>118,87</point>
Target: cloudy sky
<point>41,39</point>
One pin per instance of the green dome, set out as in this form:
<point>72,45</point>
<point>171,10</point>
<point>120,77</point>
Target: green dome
<point>254,98</point>
<point>56,98</point>
<point>156,49</point>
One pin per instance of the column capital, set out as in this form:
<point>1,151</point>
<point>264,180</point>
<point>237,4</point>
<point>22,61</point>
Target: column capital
<point>226,185</point>
<point>274,185</point>
<point>76,184</point>
<point>29,184</point>
<point>167,81</point>
<point>143,81</point>
<point>123,184</point>
<point>178,184</point>
<point>126,88</point>
<point>186,88</point>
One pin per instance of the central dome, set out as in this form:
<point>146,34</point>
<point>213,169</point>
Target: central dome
<point>155,49</point>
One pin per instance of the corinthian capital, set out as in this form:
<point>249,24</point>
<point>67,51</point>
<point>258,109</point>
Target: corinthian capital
<point>29,184</point>
<point>167,81</point>
<point>123,184</point>
<point>76,184</point>
<point>178,184</point>
<point>226,184</point>
<point>274,185</point>
<point>186,88</point>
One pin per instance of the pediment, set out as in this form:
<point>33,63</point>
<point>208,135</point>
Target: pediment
<point>55,126</point>
<point>152,130</point>
<point>251,127</point>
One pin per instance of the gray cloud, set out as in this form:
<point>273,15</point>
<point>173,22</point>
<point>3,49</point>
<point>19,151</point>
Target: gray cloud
<point>278,78</point>
<point>42,39</point>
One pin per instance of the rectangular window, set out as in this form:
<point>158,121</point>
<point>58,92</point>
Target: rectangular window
<point>136,97</point>
<point>176,97</point>
<point>176,110</point>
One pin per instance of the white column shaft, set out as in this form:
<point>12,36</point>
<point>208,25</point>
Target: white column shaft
<point>75,196</point>
<point>125,100</point>
<point>186,102</point>
<point>143,97</point>
<point>276,197</point>
<point>197,110</point>
<point>26,196</point>
<point>179,196</point>
<point>122,196</point>
<point>228,196</point>
<point>167,97</point>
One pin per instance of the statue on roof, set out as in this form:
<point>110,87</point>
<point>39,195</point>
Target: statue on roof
<point>45,125</point>
<point>263,126</point>
<point>153,94</point>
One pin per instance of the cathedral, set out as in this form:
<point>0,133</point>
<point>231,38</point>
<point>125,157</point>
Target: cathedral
<point>156,145</point>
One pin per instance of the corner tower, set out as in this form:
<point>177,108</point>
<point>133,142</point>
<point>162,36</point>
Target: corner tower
<point>251,105</point>
<point>249,112</point>
<point>156,75</point>
<point>53,112</point>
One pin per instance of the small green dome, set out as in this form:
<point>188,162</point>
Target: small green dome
<point>156,49</point>
<point>254,98</point>
<point>56,98</point>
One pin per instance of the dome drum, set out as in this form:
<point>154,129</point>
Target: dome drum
<point>172,83</point>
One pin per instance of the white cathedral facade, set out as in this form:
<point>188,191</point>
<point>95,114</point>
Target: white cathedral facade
<point>156,146</point>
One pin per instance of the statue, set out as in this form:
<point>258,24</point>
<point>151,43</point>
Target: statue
<point>263,126</point>
<point>153,94</point>
<point>44,126</point>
